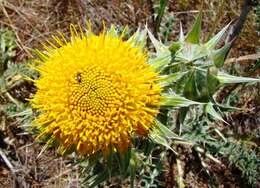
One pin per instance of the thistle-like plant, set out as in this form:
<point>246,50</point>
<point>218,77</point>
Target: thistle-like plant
<point>105,99</point>
<point>194,75</point>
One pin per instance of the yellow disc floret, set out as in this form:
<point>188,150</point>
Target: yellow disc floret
<point>95,92</point>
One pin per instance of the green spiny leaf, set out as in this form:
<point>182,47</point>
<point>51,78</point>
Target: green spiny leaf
<point>229,79</point>
<point>175,47</point>
<point>220,54</point>
<point>112,31</point>
<point>196,87</point>
<point>194,35</point>
<point>160,62</point>
<point>138,38</point>
<point>98,178</point>
<point>158,138</point>
<point>210,110</point>
<point>182,37</point>
<point>171,78</point>
<point>228,108</point>
<point>191,52</point>
<point>161,10</point>
<point>215,40</point>
<point>166,132</point>
<point>177,101</point>
<point>212,81</point>
<point>159,46</point>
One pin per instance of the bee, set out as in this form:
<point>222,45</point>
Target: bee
<point>78,77</point>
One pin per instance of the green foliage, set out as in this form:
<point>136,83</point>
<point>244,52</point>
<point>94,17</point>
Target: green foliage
<point>137,163</point>
<point>160,12</point>
<point>244,158</point>
<point>239,154</point>
<point>167,28</point>
<point>16,74</point>
<point>194,75</point>
<point>194,35</point>
<point>164,21</point>
<point>7,48</point>
<point>12,75</point>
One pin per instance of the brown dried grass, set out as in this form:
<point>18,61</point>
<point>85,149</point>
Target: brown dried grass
<point>34,21</point>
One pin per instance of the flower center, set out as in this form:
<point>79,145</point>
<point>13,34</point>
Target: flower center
<point>92,93</point>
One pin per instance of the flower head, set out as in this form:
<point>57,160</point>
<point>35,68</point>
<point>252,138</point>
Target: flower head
<point>95,92</point>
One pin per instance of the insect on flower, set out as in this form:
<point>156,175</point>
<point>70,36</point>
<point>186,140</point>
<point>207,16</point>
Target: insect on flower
<point>95,92</point>
<point>79,77</point>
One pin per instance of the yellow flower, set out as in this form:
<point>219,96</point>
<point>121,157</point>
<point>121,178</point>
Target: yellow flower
<point>95,92</point>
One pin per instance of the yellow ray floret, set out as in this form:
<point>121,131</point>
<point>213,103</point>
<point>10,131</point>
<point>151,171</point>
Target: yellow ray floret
<point>95,92</point>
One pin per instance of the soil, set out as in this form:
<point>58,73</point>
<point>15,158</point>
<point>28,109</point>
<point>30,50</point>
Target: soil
<point>33,22</point>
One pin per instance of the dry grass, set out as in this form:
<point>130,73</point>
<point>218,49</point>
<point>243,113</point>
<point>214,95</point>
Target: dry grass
<point>34,21</point>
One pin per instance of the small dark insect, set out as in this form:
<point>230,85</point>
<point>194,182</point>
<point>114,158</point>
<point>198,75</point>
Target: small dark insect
<point>78,77</point>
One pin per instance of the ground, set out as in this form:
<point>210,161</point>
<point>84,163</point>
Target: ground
<point>35,21</point>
